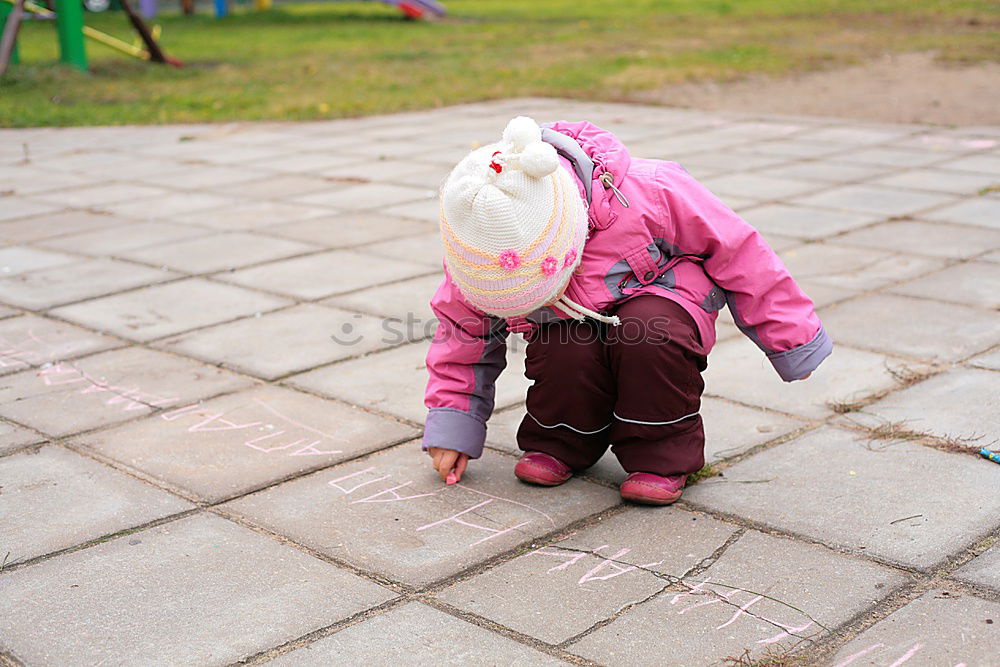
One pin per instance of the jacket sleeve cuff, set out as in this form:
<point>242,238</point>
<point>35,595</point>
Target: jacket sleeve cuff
<point>449,428</point>
<point>798,362</point>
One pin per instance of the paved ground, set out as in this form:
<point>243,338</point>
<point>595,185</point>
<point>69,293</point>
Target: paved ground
<point>212,352</point>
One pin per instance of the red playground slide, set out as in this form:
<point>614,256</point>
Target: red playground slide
<point>416,9</point>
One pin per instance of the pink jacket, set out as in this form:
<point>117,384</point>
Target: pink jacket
<point>674,239</point>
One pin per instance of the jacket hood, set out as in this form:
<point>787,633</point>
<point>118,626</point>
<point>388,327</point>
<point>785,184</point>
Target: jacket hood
<point>609,156</point>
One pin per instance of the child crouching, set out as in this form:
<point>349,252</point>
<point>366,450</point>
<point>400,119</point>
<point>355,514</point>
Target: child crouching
<point>614,269</point>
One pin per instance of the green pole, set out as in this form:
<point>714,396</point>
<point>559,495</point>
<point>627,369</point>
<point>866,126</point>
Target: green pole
<point>69,24</point>
<point>5,10</point>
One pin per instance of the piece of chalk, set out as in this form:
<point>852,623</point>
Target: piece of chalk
<point>452,479</point>
<point>990,456</point>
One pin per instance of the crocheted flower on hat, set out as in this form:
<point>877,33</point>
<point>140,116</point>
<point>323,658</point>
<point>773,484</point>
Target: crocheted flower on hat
<point>550,265</point>
<point>509,260</point>
<point>570,257</point>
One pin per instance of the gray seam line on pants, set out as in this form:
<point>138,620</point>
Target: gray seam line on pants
<point>636,421</point>
<point>568,426</point>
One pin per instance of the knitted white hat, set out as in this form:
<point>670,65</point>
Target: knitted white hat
<point>514,225</point>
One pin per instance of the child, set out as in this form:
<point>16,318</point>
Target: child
<point>614,268</point>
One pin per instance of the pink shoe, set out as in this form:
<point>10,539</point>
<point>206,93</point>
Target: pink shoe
<point>649,489</point>
<point>541,468</point>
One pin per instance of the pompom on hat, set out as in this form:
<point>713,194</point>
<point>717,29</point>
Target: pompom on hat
<point>513,226</point>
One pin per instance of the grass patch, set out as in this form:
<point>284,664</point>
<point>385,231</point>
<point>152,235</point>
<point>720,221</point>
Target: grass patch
<point>706,472</point>
<point>311,61</point>
<point>899,431</point>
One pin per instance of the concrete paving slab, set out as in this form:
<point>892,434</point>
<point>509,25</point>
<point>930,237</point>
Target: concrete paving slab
<point>401,172</point>
<point>30,341</point>
<point>900,501</point>
<point>854,268</point>
<point>713,162</point>
<point>299,163</point>
<point>185,592</point>
<point>821,294</point>
<point>94,196</point>
<point>117,239</point>
<point>107,388</point>
<point>20,259</point>
<point>349,229</point>
<point>916,327</point>
<point>988,360</point>
<point>168,207</point>
<point>67,283</point>
<point>415,634</point>
<point>423,248</point>
<point>219,252</point>
<point>982,211</point>
<point>25,180</point>
<point>890,156</point>
<point>739,371</point>
<point>203,177</point>
<point>593,575</point>
<point>924,238</point>
<point>154,312</point>
<point>54,499</point>
<point>287,341</point>
<point>941,405</point>
<point>939,628</point>
<point>407,301</point>
<point>869,199</point>
<point>392,514</point>
<point>21,207</point>
<point>983,163</point>
<point>227,446</point>
<point>427,209</point>
<point>57,224</point>
<point>938,180</point>
<point>984,569</point>
<point>275,187</point>
<point>758,186</point>
<point>364,196</point>
<point>973,284</point>
<point>745,601</point>
<point>800,148</point>
<point>825,172</point>
<point>393,381</point>
<point>252,215</point>
<point>804,222</point>
<point>12,437</point>
<point>324,274</point>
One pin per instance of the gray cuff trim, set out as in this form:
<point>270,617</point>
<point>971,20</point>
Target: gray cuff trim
<point>800,361</point>
<point>449,428</point>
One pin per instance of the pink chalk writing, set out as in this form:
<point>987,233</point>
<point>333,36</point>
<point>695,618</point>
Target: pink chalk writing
<point>35,350</point>
<point>287,440</point>
<point>609,563</point>
<point>700,593</point>
<point>336,482</point>
<point>129,397</point>
<point>392,495</point>
<point>854,656</point>
<point>456,518</point>
<point>351,482</point>
<point>906,656</point>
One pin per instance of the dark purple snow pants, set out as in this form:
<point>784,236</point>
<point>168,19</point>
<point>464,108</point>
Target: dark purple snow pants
<point>636,386</point>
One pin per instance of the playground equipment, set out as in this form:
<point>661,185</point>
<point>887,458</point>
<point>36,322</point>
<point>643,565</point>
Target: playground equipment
<point>413,9</point>
<point>71,31</point>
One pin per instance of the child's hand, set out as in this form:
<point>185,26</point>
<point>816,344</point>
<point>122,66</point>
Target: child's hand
<point>446,460</point>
